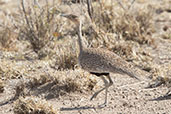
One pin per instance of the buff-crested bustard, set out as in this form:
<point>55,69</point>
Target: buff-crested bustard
<point>98,61</point>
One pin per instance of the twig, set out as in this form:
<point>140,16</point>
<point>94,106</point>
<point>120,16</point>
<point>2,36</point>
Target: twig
<point>121,5</point>
<point>90,9</point>
<point>23,8</point>
<point>36,3</point>
<point>131,4</point>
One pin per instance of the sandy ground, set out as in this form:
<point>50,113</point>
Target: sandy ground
<point>126,96</point>
<point>132,99</point>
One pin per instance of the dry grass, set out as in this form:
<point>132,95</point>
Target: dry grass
<point>39,26</point>
<point>33,105</point>
<point>133,24</point>
<point>4,38</point>
<point>160,75</point>
<point>123,49</point>
<point>7,72</point>
<point>65,55</point>
<point>62,83</point>
<point>41,73</point>
<point>39,80</point>
<point>76,80</point>
<point>7,38</point>
<point>42,27</point>
<point>162,71</point>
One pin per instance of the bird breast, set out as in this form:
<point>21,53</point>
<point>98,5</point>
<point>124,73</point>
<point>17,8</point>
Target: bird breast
<point>94,60</point>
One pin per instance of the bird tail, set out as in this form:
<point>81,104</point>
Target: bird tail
<point>132,75</point>
<point>136,73</point>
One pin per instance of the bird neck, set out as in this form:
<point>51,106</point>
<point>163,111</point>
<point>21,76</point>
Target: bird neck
<point>80,37</point>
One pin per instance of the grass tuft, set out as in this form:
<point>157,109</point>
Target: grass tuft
<point>7,39</point>
<point>39,26</point>
<point>135,25</point>
<point>33,105</point>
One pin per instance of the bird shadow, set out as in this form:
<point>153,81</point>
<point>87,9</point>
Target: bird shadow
<point>161,98</point>
<point>11,100</point>
<point>7,102</point>
<point>77,108</point>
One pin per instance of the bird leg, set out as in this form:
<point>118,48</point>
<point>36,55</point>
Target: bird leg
<point>107,85</point>
<point>96,93</point>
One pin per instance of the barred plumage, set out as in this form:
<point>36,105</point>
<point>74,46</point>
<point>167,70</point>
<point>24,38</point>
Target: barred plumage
<point>99,61</point>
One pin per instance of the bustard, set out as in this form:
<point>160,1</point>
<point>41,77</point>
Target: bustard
<point>98,61</point>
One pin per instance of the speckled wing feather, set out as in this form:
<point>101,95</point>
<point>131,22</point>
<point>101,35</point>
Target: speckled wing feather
<point>101,61</point>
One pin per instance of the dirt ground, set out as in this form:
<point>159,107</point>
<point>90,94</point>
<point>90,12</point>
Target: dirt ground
<point>126,96</point>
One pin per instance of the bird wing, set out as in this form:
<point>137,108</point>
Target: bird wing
<point>114,63</point>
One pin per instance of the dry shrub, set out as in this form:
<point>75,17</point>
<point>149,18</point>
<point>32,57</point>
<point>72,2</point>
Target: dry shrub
<point>7,39</point>
<point>66,60</point>
<point>7,72</point>
<point>37,25</point>
<point>160,75</point>
<point>123,49</point>
<point>75,81</point>
<point>33,105</point>
<point>4,38</point>
<point>66,55</point>
<point>60,83</point>
<point>38,80</point>
<point>161,71</point>
<point>136,27</point>
<point>134,24</point>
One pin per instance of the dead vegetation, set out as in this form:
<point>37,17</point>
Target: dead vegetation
<point>65,55</point>
<point>33,105</point>
<point>84,83</point>
<point>4,38</point>
<point>161,75</point>
<point>7,38</point>
<point>39,26</point>
<point>7,72</point>
<point>33,78</point>
<point>62,82</point>
<point>135,25</point>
